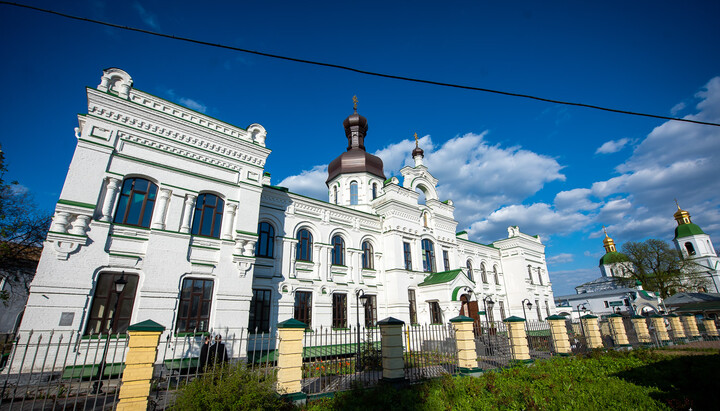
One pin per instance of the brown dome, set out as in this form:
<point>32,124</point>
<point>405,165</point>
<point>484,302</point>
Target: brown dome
<point>355,159</point>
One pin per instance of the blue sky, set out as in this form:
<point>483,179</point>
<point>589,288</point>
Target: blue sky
<point>560,172</point>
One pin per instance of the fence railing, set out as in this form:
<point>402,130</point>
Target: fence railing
<point>492,345</point>
<point>539,339</point>
<point>60,370</point>
<point>429,351</point>
<point>185,357</point>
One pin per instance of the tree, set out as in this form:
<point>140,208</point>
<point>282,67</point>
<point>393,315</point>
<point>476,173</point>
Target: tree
<point>659,267</point>
<point>23,228</point>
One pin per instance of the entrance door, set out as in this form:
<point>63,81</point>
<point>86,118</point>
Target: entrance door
<point>470,309</point>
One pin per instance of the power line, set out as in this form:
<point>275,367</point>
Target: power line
<point>355,70</point>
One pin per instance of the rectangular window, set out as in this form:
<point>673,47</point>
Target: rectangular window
<point>502,310</point>
<point>530,274</point>
<point>547,308</point>
<point>435,313</point>
<point>607,305</point>
<point>260,311</point>
<point>104,304</point>
<point>537,308</point>
<point>303,307</point>
<point>339,310</point>
<point>371,311</point>
<point>446,260</point>
<point>540,276</point>
<point>194,308</point>
<point>413,307</point>
<point>408,256</point>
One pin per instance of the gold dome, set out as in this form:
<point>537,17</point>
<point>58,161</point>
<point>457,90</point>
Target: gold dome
<point>681,216</point>
<point>608,243</point>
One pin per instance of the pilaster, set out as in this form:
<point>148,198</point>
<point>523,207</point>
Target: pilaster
<point>518,339</point>
<point>142,350</point>
<point>558,334</point>
<point>392,349</point>
<point>465,341</point>
<point>592,331</point>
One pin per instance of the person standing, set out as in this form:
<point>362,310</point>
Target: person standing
<point>204,354</point>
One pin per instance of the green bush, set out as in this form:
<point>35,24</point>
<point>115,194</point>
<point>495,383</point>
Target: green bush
<point>231,387</point>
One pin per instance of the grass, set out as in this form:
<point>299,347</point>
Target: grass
<point>636,380</point>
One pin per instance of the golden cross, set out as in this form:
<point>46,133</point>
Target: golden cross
<point>604,231</point>
<point>416,141</point>
<point>677,204</point>
<point>355,101</point>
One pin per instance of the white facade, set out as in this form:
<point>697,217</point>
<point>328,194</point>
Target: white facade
<point>130,138</point>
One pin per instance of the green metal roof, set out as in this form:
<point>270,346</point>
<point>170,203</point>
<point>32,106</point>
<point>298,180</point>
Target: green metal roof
<point>613,257</point>
<point>441,277</point>
<point>686,230</point>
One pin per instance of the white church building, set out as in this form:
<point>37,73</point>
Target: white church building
<point>177,206</point>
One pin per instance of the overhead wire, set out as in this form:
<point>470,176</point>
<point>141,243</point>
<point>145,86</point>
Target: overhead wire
<point>356,70</point>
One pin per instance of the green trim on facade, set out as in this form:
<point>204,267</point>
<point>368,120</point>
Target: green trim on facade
<point>174,169</point>
<point>205,247</point>
<point>460,233</point>
<point>76,204</point>
<point>114,173</point>
<point>203,264</point>
<point>246,233</point>
<point>84,140</point>
<point>182,156</point>
<point>474,242</point>
<point>125,255</point>
<point>128,237</point>
<point>178,187</point>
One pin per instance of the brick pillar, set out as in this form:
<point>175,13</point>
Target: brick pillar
<point>678,332</point>
<point>690,323</point>
<point>290,350</point>
<point>142,350</point>
<point>392,349</point>
<point>710,328</point>
<point>617,327</point>
<point>465,340</point>
<point>592,331</point>
<point>558,334</point>
<point>658,322</point>
<point>518,339</point>
<point>640,326</point>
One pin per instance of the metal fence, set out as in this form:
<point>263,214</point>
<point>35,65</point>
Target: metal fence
<point>340,359</point>
<point>429,351</point>
<point>576,335</point>
<point>184,357</point>
<point>62,370</point>
<point>492,345</point>
<point>539,342</point>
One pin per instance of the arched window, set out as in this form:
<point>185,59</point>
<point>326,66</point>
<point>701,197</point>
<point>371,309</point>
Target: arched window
<point>335,197</point>
<point>374,191</point>
<point>304,245</point>
<point>367,259</point>
<point>470,270</point>
<point>690,249</point>
<point>137,199</point>
<point>353,193</point>
<point>530,274</point>
<point>495,274</point>
<point>428,255</point>
<point>483,273</point>
<point>338,250</point>
<point>266,238</point>
<point>208,215</point>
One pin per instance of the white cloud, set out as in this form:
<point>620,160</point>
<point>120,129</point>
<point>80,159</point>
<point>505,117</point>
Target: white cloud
<point>612,146</point>
<point>185,101</point>
<point>565,281</point>
<point>575,199</point>
<point>309,183</point>
<point>192,104</point>
<point>560,258</point>
<point>677,108</point>
<point>147,17</point>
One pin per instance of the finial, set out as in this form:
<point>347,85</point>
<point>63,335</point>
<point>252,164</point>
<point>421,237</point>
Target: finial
<point>416,141</point>
<point>355,101</point>
<point>604,230</point>
<point>677,204</point>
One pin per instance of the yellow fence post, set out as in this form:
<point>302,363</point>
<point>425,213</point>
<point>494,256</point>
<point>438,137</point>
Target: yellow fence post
<point>518,339</point>
<point>640,325</point>
<point>710,328</point>
<point>559,335</point>
<point>658,322</point>
<point>619,333</point>
<point>142,351</point>
<point>592,331</point>
<point>691,328</point>
<point>392,349</point>
<point>676,326</point>
<point>290,353</point>
<point>465,342</point>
